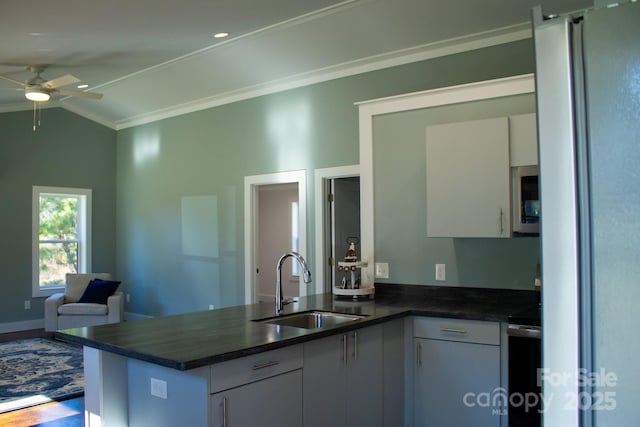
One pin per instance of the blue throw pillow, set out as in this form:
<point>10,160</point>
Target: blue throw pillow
<point>98,291</point>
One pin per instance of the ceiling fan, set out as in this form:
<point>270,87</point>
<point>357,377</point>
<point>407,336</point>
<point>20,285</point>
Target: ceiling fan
<point>37,89</point>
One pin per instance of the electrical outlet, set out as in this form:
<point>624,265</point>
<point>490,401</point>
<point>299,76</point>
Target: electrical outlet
<point>27,304</point>
<point>211,307</point>
<point>382,270</point>
<point>441,273</point>
<point>158,388</point>
<point>128,297</point>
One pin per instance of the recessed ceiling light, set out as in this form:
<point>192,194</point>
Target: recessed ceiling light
<point>83,86</point>
<point>220,35</point>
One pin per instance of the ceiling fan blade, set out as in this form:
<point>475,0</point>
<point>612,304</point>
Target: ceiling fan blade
<point>79,94</point>
<point>60,81</point>
<point>12,80</point>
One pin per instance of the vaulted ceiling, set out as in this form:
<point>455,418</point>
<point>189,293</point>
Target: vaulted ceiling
<point>157,58</point>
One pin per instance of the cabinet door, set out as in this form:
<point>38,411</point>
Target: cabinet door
<point>449,376</point>
<point>276,401</point>
<point>342,381</point>
<point>468,180</point>
<point>364,388</point>
<point>324,380</point>
<point>523,140</point>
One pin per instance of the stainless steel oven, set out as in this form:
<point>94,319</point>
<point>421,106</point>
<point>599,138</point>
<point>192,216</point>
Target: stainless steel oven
<point>525,361</point>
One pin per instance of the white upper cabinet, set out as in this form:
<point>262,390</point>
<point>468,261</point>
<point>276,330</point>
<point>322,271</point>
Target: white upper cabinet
<point>468,179</point>
<point>523,140</point>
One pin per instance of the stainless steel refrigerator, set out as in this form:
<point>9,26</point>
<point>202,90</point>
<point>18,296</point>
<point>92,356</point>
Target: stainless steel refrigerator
<point>588,92</point>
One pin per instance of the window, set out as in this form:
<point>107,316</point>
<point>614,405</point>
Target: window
<point>61,232</point>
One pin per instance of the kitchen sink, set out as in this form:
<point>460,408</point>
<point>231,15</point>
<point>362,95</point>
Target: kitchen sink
<point>312,319</point>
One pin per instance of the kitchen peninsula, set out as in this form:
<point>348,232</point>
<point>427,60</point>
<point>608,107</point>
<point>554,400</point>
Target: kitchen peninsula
<point>194,368</point>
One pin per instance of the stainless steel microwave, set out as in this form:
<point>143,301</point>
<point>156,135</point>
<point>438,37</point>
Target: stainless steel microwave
<point>526,200</point>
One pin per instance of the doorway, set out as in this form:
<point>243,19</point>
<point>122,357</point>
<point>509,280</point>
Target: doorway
<point>283,196</point>
<point>343,222</point>
<point>337,220</point>
<point>277,234</point>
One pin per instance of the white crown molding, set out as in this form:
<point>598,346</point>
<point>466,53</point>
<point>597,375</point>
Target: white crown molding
<point>339,7</point>
<point>373,63</point>
<point>392,59</point>
<point>59,104</point>
<point>24,106</point>
<point>87,115</point>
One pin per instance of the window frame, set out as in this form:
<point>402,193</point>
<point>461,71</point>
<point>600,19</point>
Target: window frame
<point>84,234</point>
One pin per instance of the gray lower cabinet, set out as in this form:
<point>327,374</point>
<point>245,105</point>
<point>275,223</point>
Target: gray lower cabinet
<point>275,401</point>
<point>343,379</point>
<point>456,373</point>
<point>263,389</point>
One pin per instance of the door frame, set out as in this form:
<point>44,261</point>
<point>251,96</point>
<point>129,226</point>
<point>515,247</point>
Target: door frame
<point>320,177</point>
<point>368,110</point>
<point>251,184</point>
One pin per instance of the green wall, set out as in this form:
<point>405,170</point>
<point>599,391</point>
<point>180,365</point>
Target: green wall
<point>207,153</point>
<point>145,177</point>
<point>66,151</point>
<point>400,216</point>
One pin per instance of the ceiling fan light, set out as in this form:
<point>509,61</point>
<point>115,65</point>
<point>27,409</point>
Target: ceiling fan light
<point>36,95</point>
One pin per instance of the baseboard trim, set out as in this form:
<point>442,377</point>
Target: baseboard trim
<point>135,316</point>
<point>25,325</point>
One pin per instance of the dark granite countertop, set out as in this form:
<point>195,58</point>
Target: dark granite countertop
<point>202,338</point>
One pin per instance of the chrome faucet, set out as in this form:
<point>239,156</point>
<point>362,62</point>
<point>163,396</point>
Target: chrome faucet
<point>306,276</point>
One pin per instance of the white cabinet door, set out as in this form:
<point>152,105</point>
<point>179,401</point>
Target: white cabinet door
<point>342,381</point>
<point>275,401</point>
<point>468,180</point>
<point>523,140</point>
<point>449,379</point>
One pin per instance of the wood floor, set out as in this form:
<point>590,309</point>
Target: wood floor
<point>66,413</point>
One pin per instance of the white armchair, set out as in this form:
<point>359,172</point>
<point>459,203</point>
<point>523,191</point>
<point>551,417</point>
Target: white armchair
<point>64,311</point>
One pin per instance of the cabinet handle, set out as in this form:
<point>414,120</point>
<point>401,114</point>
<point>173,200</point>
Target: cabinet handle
<point>265,365</point>
<point>344,349</point>
<point>419,349</point>
<point>500,217</point>
<point>224,411</point>
<point>455,331</point>
<point>355,346</point>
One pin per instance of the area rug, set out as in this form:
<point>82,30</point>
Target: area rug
<point>38,370</point>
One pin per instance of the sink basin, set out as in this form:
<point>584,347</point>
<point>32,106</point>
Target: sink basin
<point>312,319</point>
